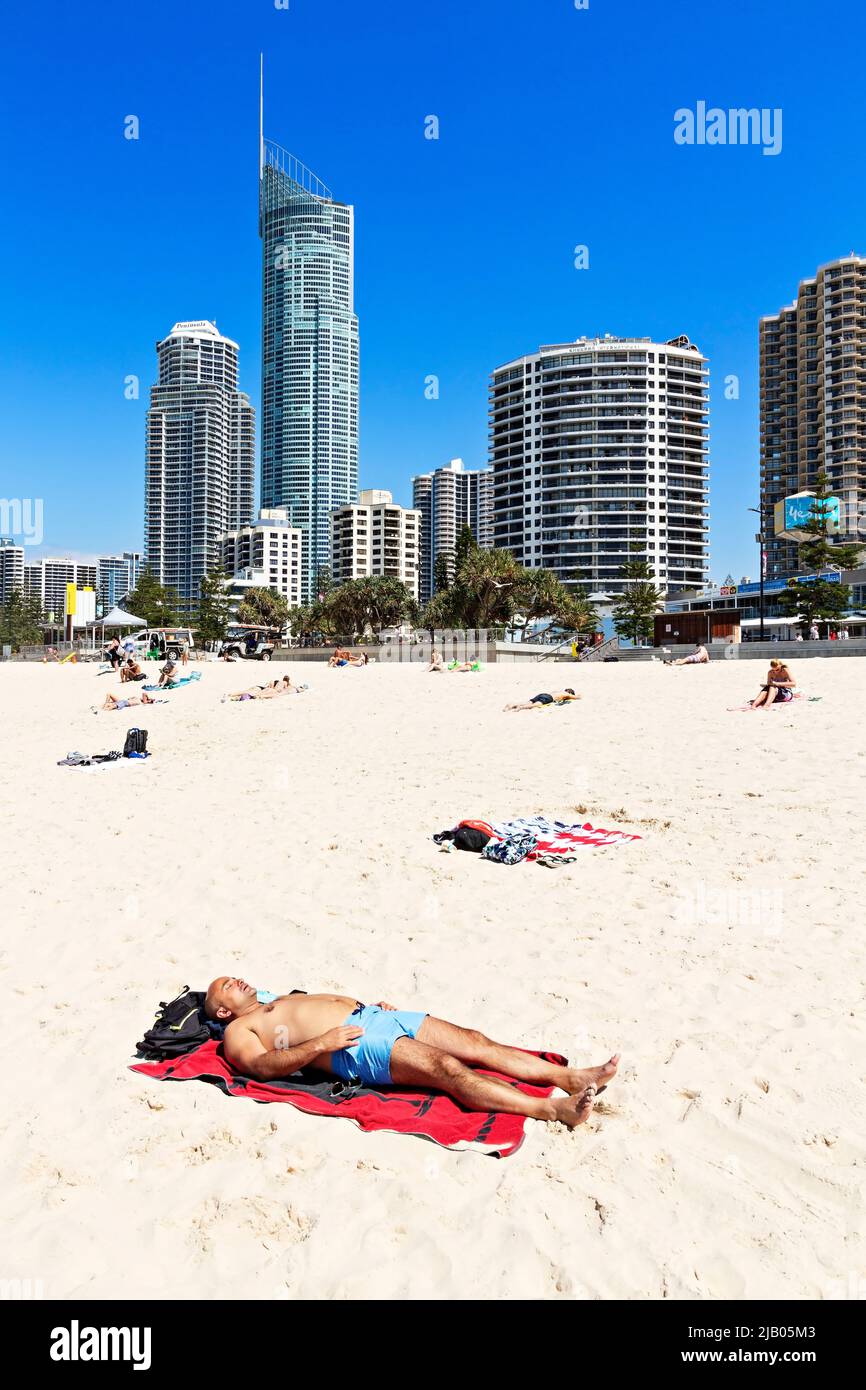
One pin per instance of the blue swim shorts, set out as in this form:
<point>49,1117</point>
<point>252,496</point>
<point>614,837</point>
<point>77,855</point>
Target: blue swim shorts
<point>369,1061</point>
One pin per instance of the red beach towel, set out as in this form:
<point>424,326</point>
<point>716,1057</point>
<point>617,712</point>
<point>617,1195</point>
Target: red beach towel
<point>427,1114</point>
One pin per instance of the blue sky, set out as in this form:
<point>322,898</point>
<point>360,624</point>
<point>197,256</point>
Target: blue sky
<point>556,129</point>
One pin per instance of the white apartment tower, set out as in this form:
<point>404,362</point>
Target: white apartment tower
<point>200,471</point>
<point>376,536</point>
<point>11,567</point>
<point>599,454</point>
<point>266,552</point>
<point>47,580</point>
<point>813,399</point>
<point>448,499</point>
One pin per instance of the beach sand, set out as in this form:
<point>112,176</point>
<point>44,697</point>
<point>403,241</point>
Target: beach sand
<point>289,842</point>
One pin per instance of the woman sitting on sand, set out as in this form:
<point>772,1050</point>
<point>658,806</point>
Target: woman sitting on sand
<point>779,688</point>
<point>436,662</point>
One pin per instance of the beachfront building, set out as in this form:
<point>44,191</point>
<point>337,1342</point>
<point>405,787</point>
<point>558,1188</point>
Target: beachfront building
<point>599,455</point>
<point>200,471</point>
<point>448,499</point>
<point>116,576</point>
<point>265,553</point>
<point>309,353</point>
<point>813,401</point>
<point>11,567</point>
<point>47,580</point>
<point>376,536</point>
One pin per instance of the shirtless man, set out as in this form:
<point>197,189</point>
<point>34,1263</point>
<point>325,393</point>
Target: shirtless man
<point>562,697</point>
<point>379,1045</point>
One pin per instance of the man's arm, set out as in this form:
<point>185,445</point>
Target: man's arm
<point>247,1053</point>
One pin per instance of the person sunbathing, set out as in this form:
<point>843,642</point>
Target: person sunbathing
<point>380,1045</point>
<point>282,686</point>
<point>112,702</point>
<point>473,664</point>
<point>341,657</point>
<point>779,688</point>
<point>699,657</point>
<point>362,659</point>
<point>562,697</point>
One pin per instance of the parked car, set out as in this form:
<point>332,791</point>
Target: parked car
<point>165,641</point>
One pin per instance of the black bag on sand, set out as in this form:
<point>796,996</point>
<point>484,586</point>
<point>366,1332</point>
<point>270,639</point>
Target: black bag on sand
<point>180,1026</point>
<point>136,742</point>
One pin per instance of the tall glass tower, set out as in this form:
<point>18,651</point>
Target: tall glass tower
<point>309,353</point>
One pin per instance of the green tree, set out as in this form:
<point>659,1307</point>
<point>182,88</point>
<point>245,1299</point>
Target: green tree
<point>21,620</point>
<point>158,605</point>
<point>814,600</point>
<point>466,543</point>
<point>214,609</point>
<point>265,607</point>
<point>443,571</point>
<point>375,601</point>
<point>635,609</point>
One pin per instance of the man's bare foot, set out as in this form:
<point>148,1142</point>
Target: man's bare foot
<point>575,1110</point>
<point>592,1076</point>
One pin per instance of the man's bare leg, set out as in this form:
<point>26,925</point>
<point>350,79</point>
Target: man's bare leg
<point>468,1045</point>
<point>414,1063</point>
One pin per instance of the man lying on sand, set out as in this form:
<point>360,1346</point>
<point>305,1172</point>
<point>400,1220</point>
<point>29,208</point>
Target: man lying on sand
<point>561,697</point>
<point>698,658</point>
<point>379,1045</point>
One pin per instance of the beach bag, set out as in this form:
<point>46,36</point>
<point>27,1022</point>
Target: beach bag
<point>469,838</point>
<point>181,1025</point>
<point>136,743</point>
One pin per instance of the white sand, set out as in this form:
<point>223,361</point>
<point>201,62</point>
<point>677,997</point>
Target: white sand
<point>289,842</point>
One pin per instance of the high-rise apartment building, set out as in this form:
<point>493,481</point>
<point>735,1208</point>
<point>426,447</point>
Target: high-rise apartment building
<point>47,580</point>
<point>309,352</point>
<point>11,567</point>
<point>448,499</point>
<point>376,536</point>
<point>116,576</point>
<point>599,453</point>
<point>200,472</point>
<point>813,399</point>
<point>267,552</point>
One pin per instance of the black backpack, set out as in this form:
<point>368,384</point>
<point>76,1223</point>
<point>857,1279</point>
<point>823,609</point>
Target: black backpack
<point>180,1026</point>
<point>136,742</point>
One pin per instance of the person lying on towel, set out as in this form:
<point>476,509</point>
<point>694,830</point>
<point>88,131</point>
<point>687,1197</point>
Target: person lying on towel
<point>379,1045</point>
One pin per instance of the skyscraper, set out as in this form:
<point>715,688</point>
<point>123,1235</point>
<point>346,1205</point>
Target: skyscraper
<point>11,567</point>
<point>448,499</point>
<point>116,576</point>
<point>813,399</point>
<point>200,472</point>
<point>599,452</point>
<point>309,352</point>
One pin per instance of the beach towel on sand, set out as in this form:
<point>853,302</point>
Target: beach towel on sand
<point>175,685</point>
<point>427,1114</point>
<point>541,840</point>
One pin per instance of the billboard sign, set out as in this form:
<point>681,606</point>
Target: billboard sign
<point>792,513</point>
